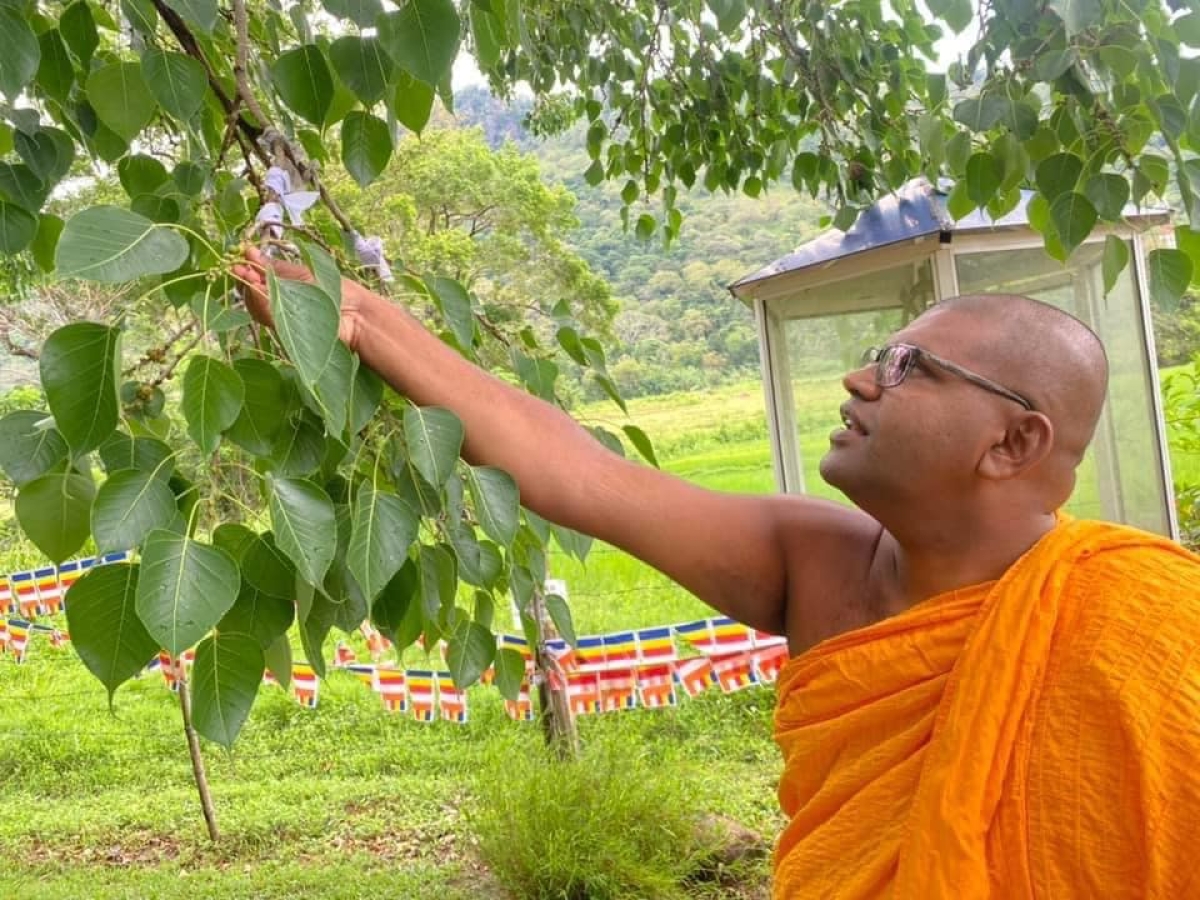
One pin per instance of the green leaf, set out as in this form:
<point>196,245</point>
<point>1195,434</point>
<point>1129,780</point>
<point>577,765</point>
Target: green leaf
<point>983,178</point>
<point>383,528</point>
<point>396,611</point>
<point>1187,27</point>
<point>215,316</point>
<point>226,673</point>
<point>1108,193</point>
<point>422,38</point>
<point>1073,216</point>
<point>299,447</point>
<point>304,524</point>
<point>497,504</point>
<point>1170,274</point>
<point>45,242</point>
<point>48,152</point>
<point>362,13</point>
<point>434,438</point>
<point>366,146</point>
<point>106,243</point>
<point>438,578</point>
<point>128,506</point>
<point>363,65</point>
<point>201,13</point>
<point>212,400</point>
<point>642,443</point>
<point>479,562</point>
<point>560,615</point>
<point>266,569</point>
<point>30,445</point>
<point>1078,15</point>
<point>316,615</point>
<point>411,102</point>
<point>955,13</point>
<point>366,393</point>
<point>146,454</point>
<point>79,31</point>
<point>79,374</point>
<point>234,538</point>
<point>306,320</point>
<point>105,630</point>
<point>487,29</point>
<point>729,14</point>
<point>305,83</point>
<point>184,589</point>
<point>263,410</point>
<point>455,305</point>
<point>56,73</point>
<point>279,660</point>
<point>18,228</point>
<point>53,511</point>
<point>470,651</point>
<point>122,100</point>
<point>177,82</point>
<point>19,185</point>
<point>510,672</point>
<point>141,174</point>
<point>982,113</point>
<point>1116,258</point>
<point>21,55</point>
<point>190,177</point>
<point>1057,175</point>
<point>142,15</point>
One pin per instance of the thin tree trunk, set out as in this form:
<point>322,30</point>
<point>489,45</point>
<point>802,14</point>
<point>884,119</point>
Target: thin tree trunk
<point>558,725</point>
<point>206,804</point>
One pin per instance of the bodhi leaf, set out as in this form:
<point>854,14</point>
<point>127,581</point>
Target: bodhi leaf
<point>106,243</point>
<point>53,511</point>
<point>305,526</point>
<point>263,617</point>
<point>18,228</point>
<point>434,437</point>
<point>48,152</point>
<point>304,82</point>
<point>471,649</point>
<point>121,98</point>
<point>146,454</point>
<point>363,65</point>
<point>411,102</point>
<point>383,528</point>
<point>177,82</point>
<point>306,320</point>
<point>1116,257</point>
<point>366,146</point>
<point>79,374</point>
<point>497,504</point>
<point>184,589</point>
<point>1073,216</point>
<point>397,611</point>
<point>212,400</point>
<point>1170,274</point>
<point>641,443</point>
<point>226,673</point>
<point>279,660</point>
<point>105,629</point>
<point>30,445</point>
<point>21,55</point>
<point>510,672</point>
<point>201,13</point>
<point>264,408</point>
<point>422,38</point>
<point>267,569</point>
<point>128,506</point>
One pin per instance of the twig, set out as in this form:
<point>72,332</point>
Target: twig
<point>242,27</point>
<point>170,370</point>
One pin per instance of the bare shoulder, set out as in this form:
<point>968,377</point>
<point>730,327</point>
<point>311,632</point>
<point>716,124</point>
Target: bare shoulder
<point>830,550</point>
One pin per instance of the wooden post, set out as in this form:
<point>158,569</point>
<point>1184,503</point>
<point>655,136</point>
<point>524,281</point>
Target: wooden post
<point>193,740</point>
<point>558,725</point>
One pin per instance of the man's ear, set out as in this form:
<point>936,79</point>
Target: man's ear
<point>1027,440</point>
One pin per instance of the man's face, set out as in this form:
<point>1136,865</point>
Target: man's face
<point>918,443</point>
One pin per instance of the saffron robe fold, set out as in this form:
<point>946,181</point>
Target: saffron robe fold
<point>1037,736</point>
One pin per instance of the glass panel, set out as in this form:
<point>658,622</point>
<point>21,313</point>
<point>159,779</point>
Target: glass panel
<point>1121,477</point>
<point>823,345</point>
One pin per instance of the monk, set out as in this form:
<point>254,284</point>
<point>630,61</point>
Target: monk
<point>985,698</point>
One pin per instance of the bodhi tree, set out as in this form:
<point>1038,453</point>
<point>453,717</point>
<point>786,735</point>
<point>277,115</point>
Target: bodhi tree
<point>214,117</point>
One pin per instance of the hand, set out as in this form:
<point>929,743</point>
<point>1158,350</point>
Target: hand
<point>253,277</point>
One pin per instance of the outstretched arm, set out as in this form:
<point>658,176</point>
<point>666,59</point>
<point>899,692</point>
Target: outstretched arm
<point>734,552</point>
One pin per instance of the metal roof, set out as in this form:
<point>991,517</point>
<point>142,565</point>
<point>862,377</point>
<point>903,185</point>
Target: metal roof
<point>915,210</point>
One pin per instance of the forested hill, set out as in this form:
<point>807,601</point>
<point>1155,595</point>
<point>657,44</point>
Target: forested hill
<point>679,327</point>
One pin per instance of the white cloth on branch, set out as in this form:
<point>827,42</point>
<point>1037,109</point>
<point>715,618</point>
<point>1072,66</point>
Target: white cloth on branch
<point>370,253</point>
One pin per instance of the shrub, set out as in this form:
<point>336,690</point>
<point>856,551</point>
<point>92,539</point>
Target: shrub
<point>609,826</point>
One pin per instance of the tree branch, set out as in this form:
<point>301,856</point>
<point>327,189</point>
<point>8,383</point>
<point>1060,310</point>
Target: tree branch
<point>242,28</point>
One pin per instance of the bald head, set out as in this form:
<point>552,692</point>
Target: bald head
<point>1047,355</point>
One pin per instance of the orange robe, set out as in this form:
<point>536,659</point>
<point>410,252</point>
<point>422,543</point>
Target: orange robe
<point>1036,736</point>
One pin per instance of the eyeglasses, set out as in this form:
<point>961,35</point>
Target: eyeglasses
<point>894,362</point>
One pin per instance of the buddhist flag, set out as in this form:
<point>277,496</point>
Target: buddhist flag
<point>364,672</point>
<point>620,649</point>
<point>583,692</point>
<point>58,637</point>
<point>655,645</point>
<point>521,709</point>
<point>452,701</point>
<point>390,684</point>
<point>656,686</point>
<point>733,672</point>
<point>377,644</point>
<point>421,686</point>
<point>118,557</point>
<point>513,642</point>
<point>763,639</point>
<point>70,572</point>
<point>343,655</point>
<point>49,591</point>
<point>305,686</point>
<point>170,674</point>
<point>24,589</point>
<point>694,675</point>
<point>18,638</point>
<point>768,661</point>
<point>589,653</point>
<point>3,634</point>
<point>618,689</point>
<point>6,596</point>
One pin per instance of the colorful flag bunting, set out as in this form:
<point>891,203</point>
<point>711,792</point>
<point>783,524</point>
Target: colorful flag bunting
<point>656,686</point>
<point>620,649</point>
<point>420,694</point>
<point>25,591</point>
<point>18,638</point>
<point>3,634</point>
<point>733,672</point>
<point>6,596</point>
<point>70,572</point>
<point>694,675</point>
<point>589,654</point>
<point>656,644</point>
<point>343,654</point>
<point>768,661</point>
<point>49,591</point>
<point>452,701</point>
<point>618,689</point>
<point>390,684</point>
<point>521,709</point>
<point>305,686</point>
<point>583,692</point>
